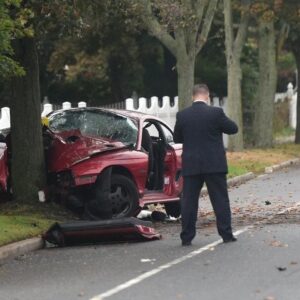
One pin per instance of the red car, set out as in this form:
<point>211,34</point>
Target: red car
<point>109,163</point>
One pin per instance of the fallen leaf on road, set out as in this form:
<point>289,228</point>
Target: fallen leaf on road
<point>20,257</point>
<point>267,202</point>
<point>281,268</point>
<point>275,243</point>
<point>269,298</point>
<point>293,263</point>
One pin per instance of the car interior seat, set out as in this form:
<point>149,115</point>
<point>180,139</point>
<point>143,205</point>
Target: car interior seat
<point>148,146</point>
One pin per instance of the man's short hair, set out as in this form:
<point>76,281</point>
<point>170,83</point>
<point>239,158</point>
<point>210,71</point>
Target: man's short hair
<point>200,89</point>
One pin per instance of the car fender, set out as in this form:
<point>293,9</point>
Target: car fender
<point>134,162</point>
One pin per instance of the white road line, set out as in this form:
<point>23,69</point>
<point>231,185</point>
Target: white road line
<point>177,261</point>
<point>159,269</point>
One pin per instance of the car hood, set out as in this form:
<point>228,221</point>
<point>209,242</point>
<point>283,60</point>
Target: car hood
<point>71,147</point>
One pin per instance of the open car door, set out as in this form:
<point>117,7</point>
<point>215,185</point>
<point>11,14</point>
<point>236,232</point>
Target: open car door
<point>172,170</point>
<point>3,167</point>
<point>165,181</point>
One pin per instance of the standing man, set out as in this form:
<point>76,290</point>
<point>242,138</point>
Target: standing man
<point>200,128</point>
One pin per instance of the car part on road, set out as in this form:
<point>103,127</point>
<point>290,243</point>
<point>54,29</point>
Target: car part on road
<point>87,232</point>
<point>155,215</point>
<point>173,209</point>
<point>158,216</point>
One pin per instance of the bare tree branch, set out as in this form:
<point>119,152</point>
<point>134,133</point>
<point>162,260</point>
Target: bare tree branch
<point>156,29</point>
<point>199,6</point>
<point>282,37</point>
<point>242,31</point>
<point>234,44</point>
<point>202,36</point>
<point>229,38</point>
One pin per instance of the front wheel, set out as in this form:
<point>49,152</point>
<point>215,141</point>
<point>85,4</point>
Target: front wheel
<point>123,196</point>
<point>120,200</point>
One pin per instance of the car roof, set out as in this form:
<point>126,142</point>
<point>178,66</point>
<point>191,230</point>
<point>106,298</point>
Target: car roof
<point>126,113</point>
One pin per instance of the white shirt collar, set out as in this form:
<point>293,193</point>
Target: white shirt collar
<point>200,100</point>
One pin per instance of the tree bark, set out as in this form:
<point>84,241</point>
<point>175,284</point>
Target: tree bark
<point>264,108</point>
<point>185,77</point>
<point>297,136</point>
<point>28,164</point>
<point>234,45</point>
<point>234,103</point>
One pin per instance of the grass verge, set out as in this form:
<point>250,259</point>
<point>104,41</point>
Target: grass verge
<point>21,221</point>
<point>255,160</point>
<point>16,228</point>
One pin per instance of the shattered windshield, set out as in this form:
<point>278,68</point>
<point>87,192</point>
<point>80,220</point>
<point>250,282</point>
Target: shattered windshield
<point>96,123</point>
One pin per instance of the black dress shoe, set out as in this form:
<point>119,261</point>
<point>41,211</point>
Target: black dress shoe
<point>229,240</point>
<point>186,243</point>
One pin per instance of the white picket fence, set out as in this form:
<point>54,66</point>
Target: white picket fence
<point>165,109</point>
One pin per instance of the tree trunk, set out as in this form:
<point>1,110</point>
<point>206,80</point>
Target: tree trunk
<point>234,103</point>
<point>264,108</point>
<point>297,137</point>
<point>28,164</point>
<point>185,72</point>
<point>234,45</point>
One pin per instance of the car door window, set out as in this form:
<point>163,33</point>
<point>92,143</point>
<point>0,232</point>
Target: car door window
<point>152,129</point>
<point>168,134</point>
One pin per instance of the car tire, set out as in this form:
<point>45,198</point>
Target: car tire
<point>123,200</point>
<point>173,209</point>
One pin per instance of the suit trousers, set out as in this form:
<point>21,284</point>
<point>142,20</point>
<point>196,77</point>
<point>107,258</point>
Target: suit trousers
<point>217,189</point>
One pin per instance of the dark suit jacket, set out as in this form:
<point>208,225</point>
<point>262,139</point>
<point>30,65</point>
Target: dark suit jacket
<point>200,128</point>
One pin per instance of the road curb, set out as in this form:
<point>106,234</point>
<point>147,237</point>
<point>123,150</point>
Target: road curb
<point>285,164</point>
<point>240,179</point>
<point>21,247</point>
<point>235,181</point>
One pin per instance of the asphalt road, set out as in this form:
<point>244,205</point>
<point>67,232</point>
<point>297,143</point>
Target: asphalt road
<point>264,263</point>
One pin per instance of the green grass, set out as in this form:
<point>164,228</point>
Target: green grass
<point>15,228</point>
<point>285,132</point>
<point>22,221</point>
<point>256,160</point>
<point>236,171</point>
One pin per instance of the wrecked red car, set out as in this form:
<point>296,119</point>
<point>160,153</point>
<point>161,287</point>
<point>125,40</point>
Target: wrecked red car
<point>109,163</point>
